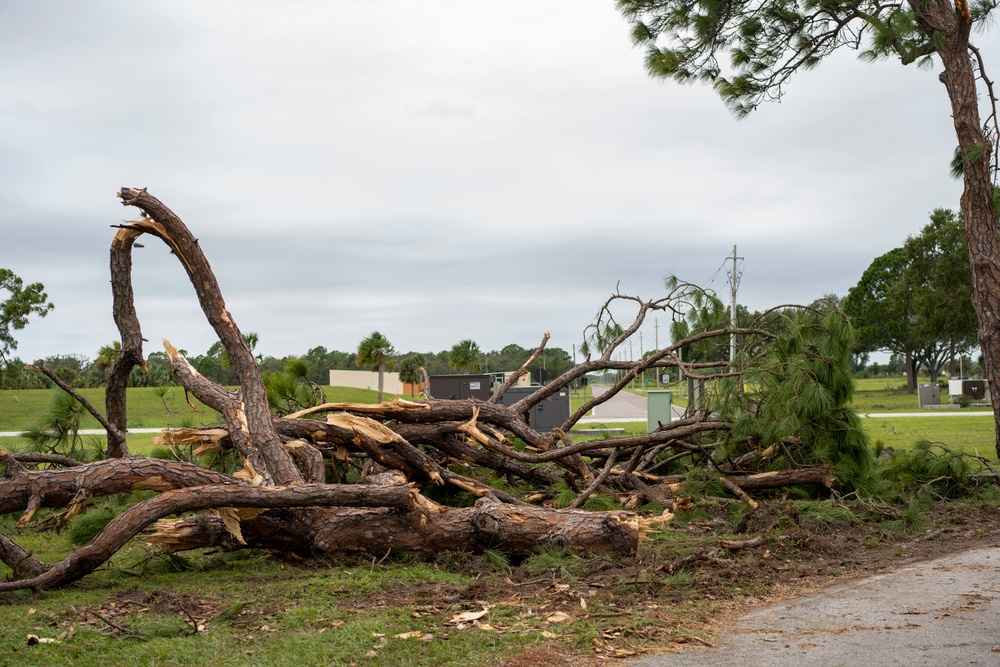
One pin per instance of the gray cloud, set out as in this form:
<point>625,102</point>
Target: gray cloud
<point>434,172</point>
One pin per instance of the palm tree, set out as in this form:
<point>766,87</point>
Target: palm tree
<point>107,355</point>
<point>373,352</point>
<point>465,356</point>
<point>410,368</point>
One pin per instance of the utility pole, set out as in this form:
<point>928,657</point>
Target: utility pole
<point>656,328</point>
<point>734,281</point>
<point>644,376</point>
<point>631,384</point>
<point>680,359</point>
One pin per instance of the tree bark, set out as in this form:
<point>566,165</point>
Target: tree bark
<point>125,526</point>
<point>123,309</point>
<point>778,478</point>
<point>911,373</point>
<point>427,529</point>
<point>959,80</point>
<point>23,490</point>
<point>249,418</point>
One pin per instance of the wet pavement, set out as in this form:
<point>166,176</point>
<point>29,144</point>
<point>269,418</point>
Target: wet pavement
<point>623,406</point>
<point>939,612</point>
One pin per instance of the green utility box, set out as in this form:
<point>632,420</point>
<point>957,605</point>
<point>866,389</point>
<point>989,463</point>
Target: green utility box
<point>658,402</point>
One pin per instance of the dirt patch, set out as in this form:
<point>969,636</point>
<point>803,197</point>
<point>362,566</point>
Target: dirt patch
<point>550,656</point>
<point>115,615</point>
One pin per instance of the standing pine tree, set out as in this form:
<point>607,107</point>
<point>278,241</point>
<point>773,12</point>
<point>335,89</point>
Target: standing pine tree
<point>749,49</point>
<point>23,301</point>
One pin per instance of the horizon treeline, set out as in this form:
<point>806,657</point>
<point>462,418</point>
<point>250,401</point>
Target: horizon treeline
<point>79,371</point>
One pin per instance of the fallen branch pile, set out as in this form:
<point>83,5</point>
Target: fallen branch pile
<point>281,498</point>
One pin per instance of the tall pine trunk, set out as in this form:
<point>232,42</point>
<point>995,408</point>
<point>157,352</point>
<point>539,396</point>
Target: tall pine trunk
<point>959,79</point>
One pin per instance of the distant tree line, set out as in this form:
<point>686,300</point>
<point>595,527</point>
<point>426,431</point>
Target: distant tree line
<point>81,372</point>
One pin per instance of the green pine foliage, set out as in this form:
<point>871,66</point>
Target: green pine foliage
<point>929,467</point>
<point>58,430</point>
<point>748,51</point>
<point>85,527</point>
<point>21,302</point>
<point>292,390</point>
<point>794,397</point>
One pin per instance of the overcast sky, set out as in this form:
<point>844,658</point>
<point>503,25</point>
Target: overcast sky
<point>432,170</point>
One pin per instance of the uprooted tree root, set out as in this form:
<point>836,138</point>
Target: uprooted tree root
<point>280,499</point>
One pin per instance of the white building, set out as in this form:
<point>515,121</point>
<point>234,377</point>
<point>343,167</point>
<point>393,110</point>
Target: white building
<point>368,380</point>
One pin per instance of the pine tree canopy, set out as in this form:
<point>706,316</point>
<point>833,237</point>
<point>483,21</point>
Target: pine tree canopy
<point>748,49</point>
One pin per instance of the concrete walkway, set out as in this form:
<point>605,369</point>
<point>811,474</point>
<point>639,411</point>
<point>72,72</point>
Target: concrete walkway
<point>87,431</point>
<point>928,413</point>
<point>939,612</point>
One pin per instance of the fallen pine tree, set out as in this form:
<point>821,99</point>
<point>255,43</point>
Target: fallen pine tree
<point>775,415</point>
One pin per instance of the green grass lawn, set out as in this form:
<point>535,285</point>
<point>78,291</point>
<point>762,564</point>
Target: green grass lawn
<point>313,614</point>
<point>974,434</point>
<point>248,608</point>
<point>889,395</point>
<point>146,408</point>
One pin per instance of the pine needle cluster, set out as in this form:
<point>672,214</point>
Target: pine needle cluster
<point>791,396</point>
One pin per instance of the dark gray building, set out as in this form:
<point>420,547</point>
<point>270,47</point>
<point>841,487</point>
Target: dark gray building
<point>545,416</point>
<point>459,387</point>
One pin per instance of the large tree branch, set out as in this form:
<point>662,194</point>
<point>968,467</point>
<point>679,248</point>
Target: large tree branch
<point>509,382</point>
<point>23,490</point>
<point>253,415</point>
<point>125,526</point>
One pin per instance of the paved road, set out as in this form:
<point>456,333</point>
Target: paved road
<point>929,413</point>
<point>622,407</point>
<point>939,612</point>
<point>86,431</point>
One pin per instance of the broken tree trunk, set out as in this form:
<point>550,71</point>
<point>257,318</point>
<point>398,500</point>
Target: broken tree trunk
<point>226,496</point>
<point>280,500</point>
<point>248,416</point>
<point>428,529</point>
<point>778,478</point>
<point>286,513</point>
